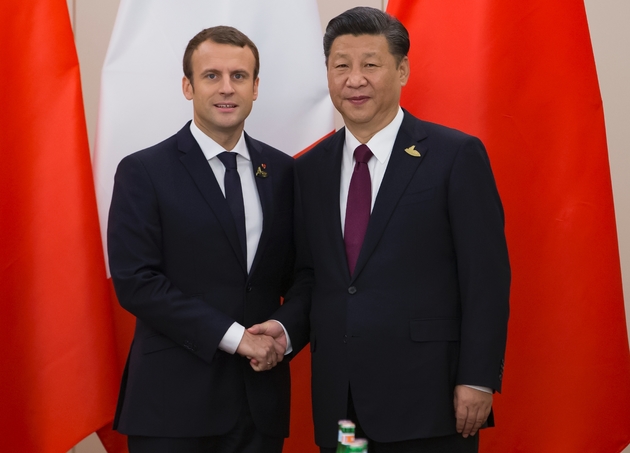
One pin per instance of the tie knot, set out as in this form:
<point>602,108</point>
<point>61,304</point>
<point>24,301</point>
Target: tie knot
<point>362,154</point>
<point>228,159</point>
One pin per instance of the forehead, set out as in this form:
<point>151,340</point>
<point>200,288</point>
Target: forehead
<point>213,55</point>
<point>361,45</point>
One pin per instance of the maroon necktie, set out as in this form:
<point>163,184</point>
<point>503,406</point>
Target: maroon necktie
<point>358,207</point>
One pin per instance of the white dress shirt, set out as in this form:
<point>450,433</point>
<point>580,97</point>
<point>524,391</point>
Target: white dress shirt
<point>251,201</point>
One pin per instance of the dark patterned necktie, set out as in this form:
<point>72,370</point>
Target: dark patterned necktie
<point>358,207</point>
<point>234,196</point>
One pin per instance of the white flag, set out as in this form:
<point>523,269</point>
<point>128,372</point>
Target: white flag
<point>141,100</point>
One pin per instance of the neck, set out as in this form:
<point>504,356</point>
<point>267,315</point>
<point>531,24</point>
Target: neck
<point>226,138</point>
<point>365,131</point>
<point>360,134</point>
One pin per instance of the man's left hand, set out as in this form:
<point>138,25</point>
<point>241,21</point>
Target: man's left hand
<point>472,408</point>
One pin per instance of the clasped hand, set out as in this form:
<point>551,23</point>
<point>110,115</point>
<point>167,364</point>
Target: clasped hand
<point>264,345</point>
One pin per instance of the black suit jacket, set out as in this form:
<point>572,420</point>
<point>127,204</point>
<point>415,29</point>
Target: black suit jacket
<point>427,306</point>
<point>176,264</point>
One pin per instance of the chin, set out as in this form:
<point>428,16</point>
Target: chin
<point>359,119</point>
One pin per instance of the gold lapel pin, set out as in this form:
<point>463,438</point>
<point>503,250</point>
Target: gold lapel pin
<point>412,151</point>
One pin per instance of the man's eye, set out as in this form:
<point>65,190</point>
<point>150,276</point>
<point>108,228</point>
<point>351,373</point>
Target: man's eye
<point>239,76</point>
<point>342,66</point>
<point>211,76</point>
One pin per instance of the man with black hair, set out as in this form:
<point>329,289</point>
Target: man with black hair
<point>403,276</point>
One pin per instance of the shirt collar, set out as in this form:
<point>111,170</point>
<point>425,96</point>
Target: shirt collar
<point>382,143</point>
<point>211,149</point>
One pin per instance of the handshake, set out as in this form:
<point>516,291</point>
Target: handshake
<point>264,345</point>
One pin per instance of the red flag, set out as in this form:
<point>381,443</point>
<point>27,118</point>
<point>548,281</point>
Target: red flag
<point>521,76</point>
<point>57,381</point>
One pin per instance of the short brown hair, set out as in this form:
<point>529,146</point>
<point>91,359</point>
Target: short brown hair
<point>221,34</point>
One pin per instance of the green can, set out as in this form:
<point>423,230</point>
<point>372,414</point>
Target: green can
<point>358,446</point>
<point>345,435</point>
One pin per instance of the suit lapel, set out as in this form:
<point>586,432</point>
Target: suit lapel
<point>329,176</point>
<point>196,164</point>
<point>400,170</point>
<point>264,184</point>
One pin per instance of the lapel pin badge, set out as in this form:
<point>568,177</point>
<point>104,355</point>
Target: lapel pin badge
<point>412,151</point>
<point>260,171</point>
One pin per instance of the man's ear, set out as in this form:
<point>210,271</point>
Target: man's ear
<point>404,71</point>
<point>187,88</point>
<point>256,88</point>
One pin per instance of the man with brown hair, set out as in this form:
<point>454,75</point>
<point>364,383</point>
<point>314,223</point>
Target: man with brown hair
<point>200,246</point>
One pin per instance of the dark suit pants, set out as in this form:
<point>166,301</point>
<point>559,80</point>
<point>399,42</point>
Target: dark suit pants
<point>243,438</point>
<point>446,444</point>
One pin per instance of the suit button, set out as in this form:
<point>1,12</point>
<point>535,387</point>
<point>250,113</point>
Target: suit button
<point>249,288</point>
<point>345,338</point>
<point>352,289</point>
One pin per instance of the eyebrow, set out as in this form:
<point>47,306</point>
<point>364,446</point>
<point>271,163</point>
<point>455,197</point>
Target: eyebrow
<point>365,55</point>
<point>236,71</point>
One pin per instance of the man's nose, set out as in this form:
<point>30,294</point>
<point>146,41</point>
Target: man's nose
<point>226,86</point>
<point>356,78</point>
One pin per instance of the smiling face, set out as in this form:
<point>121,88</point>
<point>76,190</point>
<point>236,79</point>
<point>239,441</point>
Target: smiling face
<point>364,82</point>
<point>223,90</point>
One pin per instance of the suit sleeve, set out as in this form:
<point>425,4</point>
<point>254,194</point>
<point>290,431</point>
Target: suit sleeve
<point>294,313</point>
<point>135,239</point>
<point>477,221</point>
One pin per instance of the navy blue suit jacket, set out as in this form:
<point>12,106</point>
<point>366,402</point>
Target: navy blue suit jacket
<point>176,264</point>
<point>427,306</point>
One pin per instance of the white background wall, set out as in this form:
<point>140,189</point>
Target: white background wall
<point>608,20</point>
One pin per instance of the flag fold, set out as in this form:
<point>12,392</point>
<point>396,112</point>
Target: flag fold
<point>58,380</point>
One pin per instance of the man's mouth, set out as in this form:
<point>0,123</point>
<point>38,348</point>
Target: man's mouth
<point>358,100</point>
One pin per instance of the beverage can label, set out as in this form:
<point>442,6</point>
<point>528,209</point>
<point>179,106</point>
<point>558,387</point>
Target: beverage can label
<point>347,438</point>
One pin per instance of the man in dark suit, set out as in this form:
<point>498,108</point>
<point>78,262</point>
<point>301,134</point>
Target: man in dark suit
<point>200,241</point>
<point>403,276</point>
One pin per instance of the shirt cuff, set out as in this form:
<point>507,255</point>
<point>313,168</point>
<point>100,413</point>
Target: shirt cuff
<point>286,334</point>
<point>232,338</point>
<point>482,389</point>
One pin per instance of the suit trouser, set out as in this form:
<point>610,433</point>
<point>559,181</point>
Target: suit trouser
<point>243,438</point>
<point>455,443</point>
<point>447,444</point>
